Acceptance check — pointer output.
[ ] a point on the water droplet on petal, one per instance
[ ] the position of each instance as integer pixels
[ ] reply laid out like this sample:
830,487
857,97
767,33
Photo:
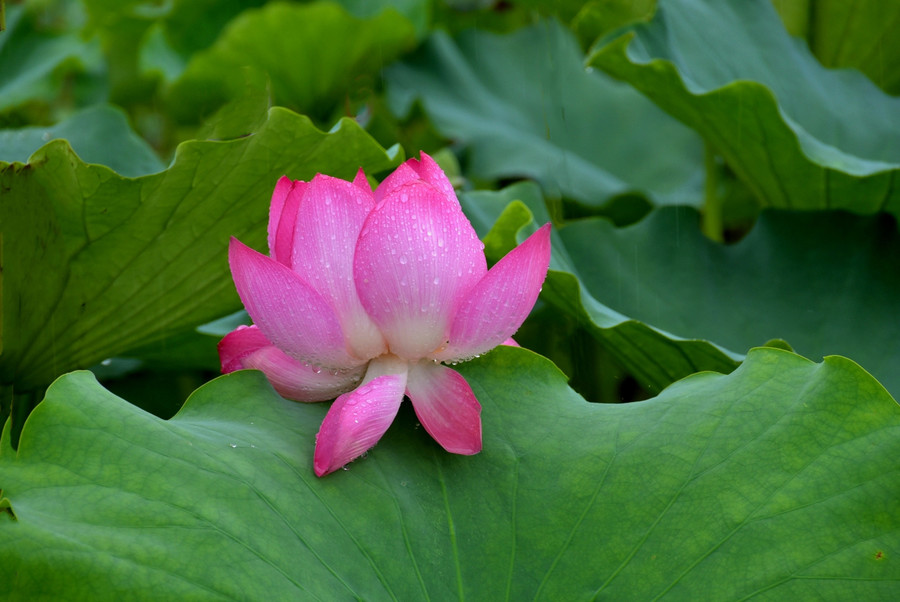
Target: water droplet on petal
403,260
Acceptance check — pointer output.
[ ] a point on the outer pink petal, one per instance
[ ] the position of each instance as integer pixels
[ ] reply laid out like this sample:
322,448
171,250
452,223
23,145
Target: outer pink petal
326,229
416,258
357,420
287,310
238,344
282,213
248,348
412,170
446,407
496,307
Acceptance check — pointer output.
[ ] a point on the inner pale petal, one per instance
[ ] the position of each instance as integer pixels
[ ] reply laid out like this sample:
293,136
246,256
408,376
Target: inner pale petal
327,226
416,257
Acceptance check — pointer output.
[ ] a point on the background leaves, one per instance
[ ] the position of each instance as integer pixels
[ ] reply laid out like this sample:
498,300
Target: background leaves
124,262
797,135
524,106
328,50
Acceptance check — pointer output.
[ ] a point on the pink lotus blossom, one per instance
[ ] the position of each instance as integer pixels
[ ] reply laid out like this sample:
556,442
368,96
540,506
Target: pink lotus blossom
365,296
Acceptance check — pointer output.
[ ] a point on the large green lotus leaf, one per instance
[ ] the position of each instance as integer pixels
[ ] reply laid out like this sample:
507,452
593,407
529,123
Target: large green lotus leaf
780,479
525,106
311,53
99,134
95,263
826,282
35,56
800,136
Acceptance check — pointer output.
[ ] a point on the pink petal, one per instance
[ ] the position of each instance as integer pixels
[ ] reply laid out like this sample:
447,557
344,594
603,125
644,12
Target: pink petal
496,307
247,348
357,420
239,343
413,170
416,258
282,214
292,315
361,182
326,229
510,342
446,407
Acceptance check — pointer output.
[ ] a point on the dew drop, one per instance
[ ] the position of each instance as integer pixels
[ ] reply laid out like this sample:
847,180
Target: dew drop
403,260
232,445
437,280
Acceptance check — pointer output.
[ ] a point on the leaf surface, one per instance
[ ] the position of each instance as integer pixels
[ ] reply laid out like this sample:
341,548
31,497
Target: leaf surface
779,479
99,134
859,34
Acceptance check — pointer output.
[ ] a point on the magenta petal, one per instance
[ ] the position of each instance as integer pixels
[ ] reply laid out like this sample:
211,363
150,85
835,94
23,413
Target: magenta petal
282,213
400,176
426,169
292,315
416,258
239,343
248,348
361,182
357,420
327,227
446,407
496,307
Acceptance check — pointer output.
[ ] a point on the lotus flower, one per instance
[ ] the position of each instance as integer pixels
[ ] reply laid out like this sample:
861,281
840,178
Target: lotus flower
365,296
